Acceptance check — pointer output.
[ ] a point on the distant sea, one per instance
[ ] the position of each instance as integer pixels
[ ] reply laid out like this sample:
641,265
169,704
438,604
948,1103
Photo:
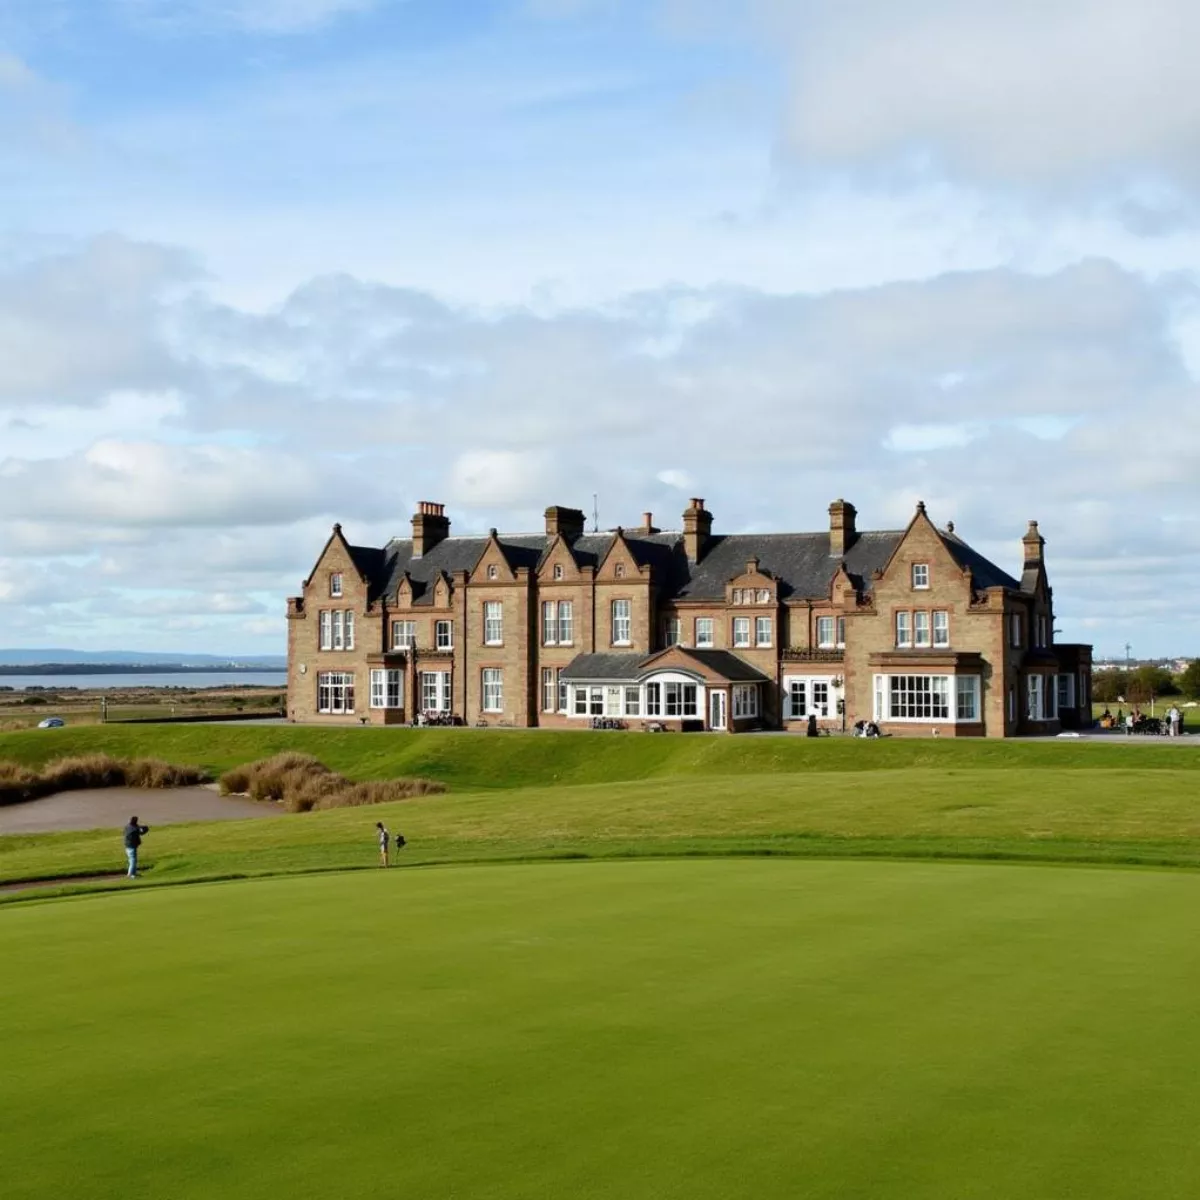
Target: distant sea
155,679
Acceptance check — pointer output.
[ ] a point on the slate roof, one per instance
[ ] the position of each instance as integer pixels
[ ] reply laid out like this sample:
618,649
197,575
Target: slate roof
800,562
604,667
726,664
613,668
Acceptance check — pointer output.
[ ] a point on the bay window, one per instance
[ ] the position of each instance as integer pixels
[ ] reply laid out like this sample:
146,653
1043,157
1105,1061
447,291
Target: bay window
929,698
654,699
387,688
679,699
335,692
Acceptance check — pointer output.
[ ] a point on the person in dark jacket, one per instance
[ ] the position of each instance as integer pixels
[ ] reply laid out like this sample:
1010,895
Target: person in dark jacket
133,839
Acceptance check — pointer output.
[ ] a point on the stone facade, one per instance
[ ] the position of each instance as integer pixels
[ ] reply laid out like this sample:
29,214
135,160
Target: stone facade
910,629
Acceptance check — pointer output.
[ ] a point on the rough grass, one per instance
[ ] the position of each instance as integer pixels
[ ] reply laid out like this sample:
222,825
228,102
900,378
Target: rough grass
303,783
19,783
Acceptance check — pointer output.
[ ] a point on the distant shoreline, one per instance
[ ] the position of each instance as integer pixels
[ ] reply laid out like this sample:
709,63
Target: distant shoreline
135,669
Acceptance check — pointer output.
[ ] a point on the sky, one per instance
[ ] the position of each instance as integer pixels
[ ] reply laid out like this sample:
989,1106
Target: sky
270,264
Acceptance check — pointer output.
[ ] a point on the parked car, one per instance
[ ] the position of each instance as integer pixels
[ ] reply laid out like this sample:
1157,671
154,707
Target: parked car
51,723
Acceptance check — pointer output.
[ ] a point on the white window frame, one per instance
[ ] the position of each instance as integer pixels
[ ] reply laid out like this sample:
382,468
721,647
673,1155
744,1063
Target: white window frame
741,633
549,623
917,690
922,634
622,622
903,628
941,628
841,633
335,692
339,633
443,635
492,689
435,685
653,704
566,623
682,698
387,687
549,690
404,635
633,701
326,621
1034,700
705,633
826,633
493,623
920,577
335,584
672,631
806,694
968,699
349,630
764,632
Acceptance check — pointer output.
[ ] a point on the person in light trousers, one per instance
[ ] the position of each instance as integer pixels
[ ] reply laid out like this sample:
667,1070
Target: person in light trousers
133,839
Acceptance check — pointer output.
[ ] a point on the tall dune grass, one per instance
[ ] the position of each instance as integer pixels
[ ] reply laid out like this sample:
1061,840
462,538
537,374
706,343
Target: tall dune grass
19,783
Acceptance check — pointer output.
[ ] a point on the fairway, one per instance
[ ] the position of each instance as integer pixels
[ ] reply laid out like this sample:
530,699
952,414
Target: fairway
625,1029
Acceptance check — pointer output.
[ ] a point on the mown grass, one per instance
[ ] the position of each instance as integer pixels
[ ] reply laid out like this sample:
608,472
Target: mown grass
618,1031
1120,815
479,758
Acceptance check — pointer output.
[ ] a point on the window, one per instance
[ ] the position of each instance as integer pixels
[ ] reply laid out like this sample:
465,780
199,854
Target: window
804,697
622,624
342,637
1014,629
493,571
1033,697
326,630
741,631
680,699
764,596
339,636
920,576
903,629
672,628
921,628
1012,705
435,691
704,631
596,701
825,632
841,633
581,702
919,697
335,692
1041,631
745,700
493,623
941,629
612,701
558,571
633,702
549,623
967,694
739,596
349,630
566,623
619,571
493,689
404,635
387,688
1066,691
654,699
549,690
335,584
762,631
444,635
562,693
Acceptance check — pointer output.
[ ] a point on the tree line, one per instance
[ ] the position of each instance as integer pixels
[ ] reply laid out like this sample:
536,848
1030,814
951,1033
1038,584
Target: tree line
1145,683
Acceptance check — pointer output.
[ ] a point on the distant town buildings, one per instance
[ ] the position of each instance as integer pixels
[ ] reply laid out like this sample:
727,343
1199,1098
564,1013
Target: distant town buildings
642,628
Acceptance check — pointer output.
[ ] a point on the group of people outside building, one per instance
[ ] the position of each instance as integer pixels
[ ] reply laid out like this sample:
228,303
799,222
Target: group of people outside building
1136,721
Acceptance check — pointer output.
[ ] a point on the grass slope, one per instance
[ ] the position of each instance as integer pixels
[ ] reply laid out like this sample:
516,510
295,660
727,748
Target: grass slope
666,1030
478,758
1115,815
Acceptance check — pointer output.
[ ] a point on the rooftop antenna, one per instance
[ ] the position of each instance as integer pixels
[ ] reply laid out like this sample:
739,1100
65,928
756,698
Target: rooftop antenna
595,513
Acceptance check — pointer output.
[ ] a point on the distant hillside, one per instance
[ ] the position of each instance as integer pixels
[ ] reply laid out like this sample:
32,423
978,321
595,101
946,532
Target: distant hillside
37,656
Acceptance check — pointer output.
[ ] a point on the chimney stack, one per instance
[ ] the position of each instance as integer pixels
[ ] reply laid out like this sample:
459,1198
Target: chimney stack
842,531
569,522
697,529
1033,543
648,526
429,526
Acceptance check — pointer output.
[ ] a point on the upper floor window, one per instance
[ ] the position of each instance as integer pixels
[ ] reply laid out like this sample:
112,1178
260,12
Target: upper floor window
741,631
622,622
841,633
1014,629
921,629
404,635
493,623
941,629
762,631
920,575
672,631
337,630
557,623
493,571
1041,631
444,635
904,629
738,596
619,571
704,632
826,628
558,571
764,596
335,583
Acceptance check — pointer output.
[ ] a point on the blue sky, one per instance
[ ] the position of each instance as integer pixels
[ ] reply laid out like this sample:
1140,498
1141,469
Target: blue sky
268,264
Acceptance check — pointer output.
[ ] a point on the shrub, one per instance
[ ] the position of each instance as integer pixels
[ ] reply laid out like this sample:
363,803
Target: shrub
19,783
303,783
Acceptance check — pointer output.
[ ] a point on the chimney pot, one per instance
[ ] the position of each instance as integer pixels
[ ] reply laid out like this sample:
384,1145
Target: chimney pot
429,526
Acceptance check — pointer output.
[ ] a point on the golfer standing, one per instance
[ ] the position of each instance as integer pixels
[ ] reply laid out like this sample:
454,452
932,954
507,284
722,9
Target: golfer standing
133,839
384,841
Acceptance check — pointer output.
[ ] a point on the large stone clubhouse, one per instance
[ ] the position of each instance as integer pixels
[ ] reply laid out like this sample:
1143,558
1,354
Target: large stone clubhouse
641,628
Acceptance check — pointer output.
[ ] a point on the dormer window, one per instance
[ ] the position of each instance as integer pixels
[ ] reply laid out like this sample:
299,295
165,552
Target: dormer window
920,576
558,571
619,570
493,572
764,596
335,584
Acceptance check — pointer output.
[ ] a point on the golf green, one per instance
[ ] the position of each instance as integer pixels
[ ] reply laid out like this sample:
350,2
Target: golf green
626,1029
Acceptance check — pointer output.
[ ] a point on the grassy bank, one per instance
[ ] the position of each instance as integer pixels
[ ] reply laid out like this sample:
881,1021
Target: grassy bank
479,758
1119,815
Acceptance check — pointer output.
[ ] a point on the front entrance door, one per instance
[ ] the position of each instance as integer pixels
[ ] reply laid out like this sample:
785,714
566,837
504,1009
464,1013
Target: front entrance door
716,710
